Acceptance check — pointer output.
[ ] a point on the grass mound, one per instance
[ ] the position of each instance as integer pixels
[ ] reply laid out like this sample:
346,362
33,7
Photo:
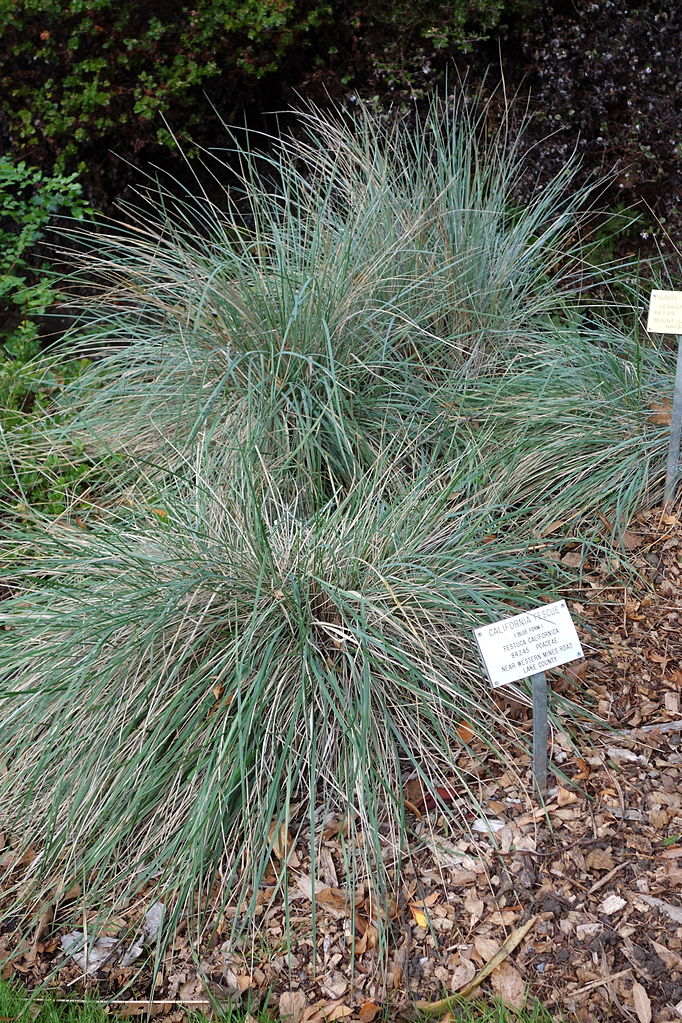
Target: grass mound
349,287
178,684
345,408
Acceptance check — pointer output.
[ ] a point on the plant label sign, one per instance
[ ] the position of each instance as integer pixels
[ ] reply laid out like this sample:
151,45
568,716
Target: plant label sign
665,312
525,644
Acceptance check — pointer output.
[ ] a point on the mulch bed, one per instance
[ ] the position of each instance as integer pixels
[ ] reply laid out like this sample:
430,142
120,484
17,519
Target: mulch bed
599,867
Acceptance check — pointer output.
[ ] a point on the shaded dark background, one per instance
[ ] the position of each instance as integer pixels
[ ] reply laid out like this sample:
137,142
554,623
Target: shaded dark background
87,84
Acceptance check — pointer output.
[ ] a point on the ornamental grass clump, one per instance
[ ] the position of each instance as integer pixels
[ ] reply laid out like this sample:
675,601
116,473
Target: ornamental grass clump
331,422
180,681
350,281
578,430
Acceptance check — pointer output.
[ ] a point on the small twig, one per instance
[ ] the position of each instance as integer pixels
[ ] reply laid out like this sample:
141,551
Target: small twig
134,1001
590,986
605,879
665,726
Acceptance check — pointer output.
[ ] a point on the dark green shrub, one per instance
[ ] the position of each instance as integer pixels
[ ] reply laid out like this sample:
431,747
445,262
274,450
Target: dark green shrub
412,32
81,77
405,46
29,200
77,72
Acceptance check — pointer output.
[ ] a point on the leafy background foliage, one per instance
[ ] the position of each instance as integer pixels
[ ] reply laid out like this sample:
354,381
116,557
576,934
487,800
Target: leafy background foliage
80,77
30,202
81,71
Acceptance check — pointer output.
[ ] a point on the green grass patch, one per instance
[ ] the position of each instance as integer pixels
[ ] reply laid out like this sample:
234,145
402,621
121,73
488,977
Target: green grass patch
35,475
17,1006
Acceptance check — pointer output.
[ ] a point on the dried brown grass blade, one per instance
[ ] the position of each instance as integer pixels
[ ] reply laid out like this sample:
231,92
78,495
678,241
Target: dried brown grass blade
443,1004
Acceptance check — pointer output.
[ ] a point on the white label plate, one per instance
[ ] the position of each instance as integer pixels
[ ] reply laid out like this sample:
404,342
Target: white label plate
525,644
665,312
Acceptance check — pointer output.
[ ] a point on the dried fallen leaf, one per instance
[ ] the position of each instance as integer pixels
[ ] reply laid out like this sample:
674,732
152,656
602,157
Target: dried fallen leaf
486,948
153,921
474,906
339,1012
631,541
370,932
600,859
368,1011
414,793
191,990
431,899
463,974
535,815
333,898
641,1002
464,731
487,826
93,957
661,412
313,1014
673,960
132,953
334,985
292,1006
282,844
327,1009
507,984
575,671
419,916
503,917
565,797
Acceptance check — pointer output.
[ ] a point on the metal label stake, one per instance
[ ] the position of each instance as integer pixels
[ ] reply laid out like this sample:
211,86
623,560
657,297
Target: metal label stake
673,462
540,731
665,317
